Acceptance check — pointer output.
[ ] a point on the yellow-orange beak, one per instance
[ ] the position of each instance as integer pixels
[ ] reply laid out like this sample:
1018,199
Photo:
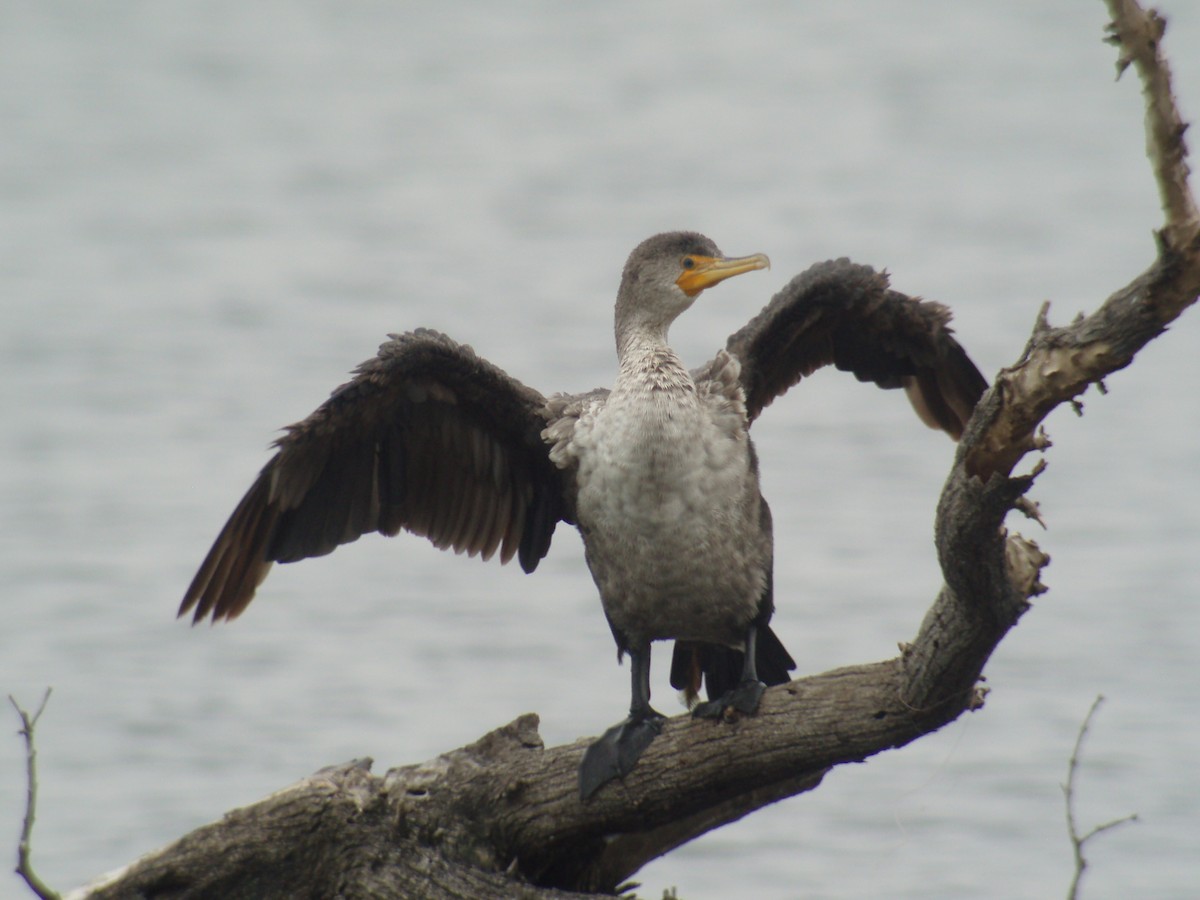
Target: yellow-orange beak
705,271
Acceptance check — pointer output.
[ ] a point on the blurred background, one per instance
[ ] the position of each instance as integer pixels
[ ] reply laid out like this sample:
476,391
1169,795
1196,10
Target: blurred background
210,212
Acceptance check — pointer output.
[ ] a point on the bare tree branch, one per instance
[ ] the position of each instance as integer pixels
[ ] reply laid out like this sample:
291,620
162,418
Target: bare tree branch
1059,363
1138,33
24,846
1077,840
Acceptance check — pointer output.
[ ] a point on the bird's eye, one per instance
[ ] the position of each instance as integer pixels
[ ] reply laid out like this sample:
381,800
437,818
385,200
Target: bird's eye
689,263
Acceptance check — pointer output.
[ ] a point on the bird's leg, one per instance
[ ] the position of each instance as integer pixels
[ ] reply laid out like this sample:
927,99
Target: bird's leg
615,753
744,698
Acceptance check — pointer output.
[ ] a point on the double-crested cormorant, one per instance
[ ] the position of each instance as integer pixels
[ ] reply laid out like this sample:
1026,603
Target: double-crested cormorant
658,473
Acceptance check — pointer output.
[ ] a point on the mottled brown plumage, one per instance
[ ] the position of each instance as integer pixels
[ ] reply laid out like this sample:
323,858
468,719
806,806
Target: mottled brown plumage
427,437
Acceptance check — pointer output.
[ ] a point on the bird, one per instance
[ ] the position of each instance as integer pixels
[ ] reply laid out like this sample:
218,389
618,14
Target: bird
657,472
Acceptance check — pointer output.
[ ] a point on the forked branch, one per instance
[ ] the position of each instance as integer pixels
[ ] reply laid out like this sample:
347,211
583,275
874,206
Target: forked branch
25,845
1079,840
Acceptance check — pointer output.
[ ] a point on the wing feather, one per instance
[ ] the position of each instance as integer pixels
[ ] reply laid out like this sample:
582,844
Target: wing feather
843,314
426,437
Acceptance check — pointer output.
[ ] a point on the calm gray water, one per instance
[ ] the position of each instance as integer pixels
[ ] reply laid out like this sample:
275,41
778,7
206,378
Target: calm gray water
209,212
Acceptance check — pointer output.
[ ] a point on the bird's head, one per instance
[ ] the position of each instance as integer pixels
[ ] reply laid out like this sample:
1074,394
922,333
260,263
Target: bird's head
666,273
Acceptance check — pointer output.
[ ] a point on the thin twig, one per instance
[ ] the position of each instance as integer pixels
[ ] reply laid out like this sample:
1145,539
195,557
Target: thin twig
1077,840
24,852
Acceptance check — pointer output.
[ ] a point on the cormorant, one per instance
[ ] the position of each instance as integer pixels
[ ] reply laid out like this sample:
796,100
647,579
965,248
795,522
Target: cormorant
658,473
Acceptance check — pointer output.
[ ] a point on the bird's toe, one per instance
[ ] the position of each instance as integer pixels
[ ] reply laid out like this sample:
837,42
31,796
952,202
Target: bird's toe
744,698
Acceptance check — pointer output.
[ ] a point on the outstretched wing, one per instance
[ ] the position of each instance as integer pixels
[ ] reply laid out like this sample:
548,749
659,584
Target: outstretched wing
428,437
844,314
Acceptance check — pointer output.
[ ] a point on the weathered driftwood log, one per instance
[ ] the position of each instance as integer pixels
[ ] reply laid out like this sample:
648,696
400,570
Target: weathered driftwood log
502,817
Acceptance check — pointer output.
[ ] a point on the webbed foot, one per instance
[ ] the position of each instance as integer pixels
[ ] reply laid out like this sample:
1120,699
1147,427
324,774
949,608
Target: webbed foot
744,698
614,754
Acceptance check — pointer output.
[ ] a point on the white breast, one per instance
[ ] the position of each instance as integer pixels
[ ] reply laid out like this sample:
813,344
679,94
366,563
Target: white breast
668,506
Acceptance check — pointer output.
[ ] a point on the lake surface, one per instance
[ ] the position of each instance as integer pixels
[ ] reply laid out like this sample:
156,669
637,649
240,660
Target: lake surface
209,212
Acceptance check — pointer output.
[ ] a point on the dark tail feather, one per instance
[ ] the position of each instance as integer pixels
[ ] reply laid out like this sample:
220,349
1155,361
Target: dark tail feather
775,664
720,667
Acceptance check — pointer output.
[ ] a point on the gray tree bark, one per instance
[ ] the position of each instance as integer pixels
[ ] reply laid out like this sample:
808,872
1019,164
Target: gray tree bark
502,817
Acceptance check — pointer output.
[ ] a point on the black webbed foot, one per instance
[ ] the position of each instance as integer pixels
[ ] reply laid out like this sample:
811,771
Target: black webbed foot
744,698
614,754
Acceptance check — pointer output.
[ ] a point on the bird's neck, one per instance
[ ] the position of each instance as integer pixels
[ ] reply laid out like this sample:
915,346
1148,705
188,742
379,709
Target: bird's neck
639,340
645,358
640,332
